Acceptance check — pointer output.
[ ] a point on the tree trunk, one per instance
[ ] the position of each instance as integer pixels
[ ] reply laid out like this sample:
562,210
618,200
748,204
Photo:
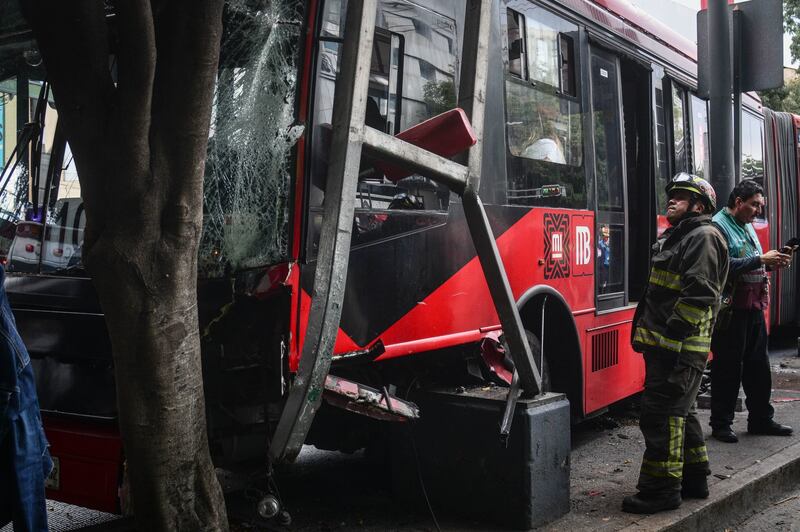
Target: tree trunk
139,143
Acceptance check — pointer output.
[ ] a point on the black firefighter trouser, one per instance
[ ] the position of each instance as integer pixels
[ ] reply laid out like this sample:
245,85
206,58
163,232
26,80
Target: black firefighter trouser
675,450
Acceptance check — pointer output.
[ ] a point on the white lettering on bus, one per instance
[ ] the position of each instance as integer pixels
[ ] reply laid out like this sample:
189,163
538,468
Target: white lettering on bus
558,245
583,245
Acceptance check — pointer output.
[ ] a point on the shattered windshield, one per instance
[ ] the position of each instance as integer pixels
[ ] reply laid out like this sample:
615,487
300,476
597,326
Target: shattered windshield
250,153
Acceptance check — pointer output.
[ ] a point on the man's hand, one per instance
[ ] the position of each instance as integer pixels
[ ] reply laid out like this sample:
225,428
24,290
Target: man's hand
775,259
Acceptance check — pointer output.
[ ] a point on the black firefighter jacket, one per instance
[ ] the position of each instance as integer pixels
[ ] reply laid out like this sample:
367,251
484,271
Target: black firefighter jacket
677,312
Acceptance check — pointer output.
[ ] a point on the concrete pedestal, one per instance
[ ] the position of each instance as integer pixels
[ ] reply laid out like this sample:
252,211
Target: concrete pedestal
468,471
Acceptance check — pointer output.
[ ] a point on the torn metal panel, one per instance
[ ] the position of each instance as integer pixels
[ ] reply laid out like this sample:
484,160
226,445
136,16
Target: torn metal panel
362,399
495,357
252,137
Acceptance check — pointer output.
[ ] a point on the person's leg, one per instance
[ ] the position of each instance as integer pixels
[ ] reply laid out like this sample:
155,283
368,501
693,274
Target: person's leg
695,459
660,474
29,508
660,430
726,370
756,373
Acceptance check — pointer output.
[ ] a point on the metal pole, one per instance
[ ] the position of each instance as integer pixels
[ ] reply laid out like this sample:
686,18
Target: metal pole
720,82
737,96
23,115
502,296
349,108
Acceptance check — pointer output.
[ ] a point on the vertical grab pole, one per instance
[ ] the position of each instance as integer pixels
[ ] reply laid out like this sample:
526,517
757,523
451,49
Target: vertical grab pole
472,98
337,224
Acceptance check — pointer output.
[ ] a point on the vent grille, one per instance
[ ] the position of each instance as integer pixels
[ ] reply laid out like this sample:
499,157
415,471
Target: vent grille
605,350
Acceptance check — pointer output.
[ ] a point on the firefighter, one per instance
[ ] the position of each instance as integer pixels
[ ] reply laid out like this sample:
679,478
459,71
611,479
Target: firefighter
24,456
672,328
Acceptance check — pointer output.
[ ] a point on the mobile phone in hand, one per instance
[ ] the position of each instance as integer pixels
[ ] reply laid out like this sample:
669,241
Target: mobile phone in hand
790,246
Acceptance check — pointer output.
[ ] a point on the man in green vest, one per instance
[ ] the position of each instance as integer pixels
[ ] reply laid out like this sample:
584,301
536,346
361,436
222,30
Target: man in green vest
672,328
740,340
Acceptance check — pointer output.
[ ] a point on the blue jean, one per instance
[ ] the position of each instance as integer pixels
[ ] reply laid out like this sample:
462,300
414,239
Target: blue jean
24,467
24,457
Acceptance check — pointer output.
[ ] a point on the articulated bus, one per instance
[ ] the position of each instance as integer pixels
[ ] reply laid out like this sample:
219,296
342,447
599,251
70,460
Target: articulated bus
591,107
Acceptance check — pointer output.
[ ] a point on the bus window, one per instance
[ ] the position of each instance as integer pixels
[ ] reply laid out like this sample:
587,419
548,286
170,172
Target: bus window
545,36
609,177
544,120
662,149
752,148
699,136
252,135
412,78
517,63
681,162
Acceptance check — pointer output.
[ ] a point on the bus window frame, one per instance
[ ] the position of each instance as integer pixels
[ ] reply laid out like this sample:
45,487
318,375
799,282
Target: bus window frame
669,86
611,301
692,97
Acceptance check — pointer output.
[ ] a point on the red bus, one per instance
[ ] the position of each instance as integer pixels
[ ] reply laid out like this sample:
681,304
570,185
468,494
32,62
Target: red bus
590,108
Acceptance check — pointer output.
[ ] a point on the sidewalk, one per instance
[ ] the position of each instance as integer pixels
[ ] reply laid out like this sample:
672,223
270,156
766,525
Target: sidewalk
744,474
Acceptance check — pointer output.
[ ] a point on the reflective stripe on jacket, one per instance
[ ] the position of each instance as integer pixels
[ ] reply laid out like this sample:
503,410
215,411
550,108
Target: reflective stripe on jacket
688,270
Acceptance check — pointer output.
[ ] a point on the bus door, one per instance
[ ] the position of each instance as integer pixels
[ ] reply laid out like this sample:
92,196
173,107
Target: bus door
610,181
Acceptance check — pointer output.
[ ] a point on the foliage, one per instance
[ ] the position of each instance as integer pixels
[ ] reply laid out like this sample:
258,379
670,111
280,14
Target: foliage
791,25
439,96
785,98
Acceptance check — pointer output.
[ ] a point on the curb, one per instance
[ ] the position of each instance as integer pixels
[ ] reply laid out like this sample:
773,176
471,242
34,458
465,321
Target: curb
734,499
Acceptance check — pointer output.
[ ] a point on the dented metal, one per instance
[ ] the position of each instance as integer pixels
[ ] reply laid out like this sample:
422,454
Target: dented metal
362,399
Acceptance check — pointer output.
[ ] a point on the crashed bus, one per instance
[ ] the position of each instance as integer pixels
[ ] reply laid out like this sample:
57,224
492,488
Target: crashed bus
590,108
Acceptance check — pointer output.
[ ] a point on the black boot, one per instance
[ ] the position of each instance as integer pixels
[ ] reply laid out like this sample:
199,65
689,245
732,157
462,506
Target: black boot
725,434
769,428
642,503
694,488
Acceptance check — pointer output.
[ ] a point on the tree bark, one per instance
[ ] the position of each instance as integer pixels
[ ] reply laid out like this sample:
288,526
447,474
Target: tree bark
139,143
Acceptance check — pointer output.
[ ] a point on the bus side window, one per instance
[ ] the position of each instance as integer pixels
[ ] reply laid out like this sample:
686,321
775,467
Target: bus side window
679,141
753,152
752,148
544,115
700,136
663,174
517,62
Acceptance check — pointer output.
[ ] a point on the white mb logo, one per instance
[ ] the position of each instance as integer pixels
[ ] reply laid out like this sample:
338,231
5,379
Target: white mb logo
557,240
583,245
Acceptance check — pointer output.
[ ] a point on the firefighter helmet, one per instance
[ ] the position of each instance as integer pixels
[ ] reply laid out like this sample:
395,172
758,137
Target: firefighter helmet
697,185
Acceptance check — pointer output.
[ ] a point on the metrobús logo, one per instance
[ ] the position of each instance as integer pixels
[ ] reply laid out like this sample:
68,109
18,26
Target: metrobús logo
556,245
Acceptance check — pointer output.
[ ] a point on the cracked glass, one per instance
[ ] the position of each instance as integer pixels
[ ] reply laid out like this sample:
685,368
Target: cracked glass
250,163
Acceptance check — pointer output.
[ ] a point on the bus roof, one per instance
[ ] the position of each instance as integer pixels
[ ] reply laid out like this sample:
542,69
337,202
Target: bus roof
652,26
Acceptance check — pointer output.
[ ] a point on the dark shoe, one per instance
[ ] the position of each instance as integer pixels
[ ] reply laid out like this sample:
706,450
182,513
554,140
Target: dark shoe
769,428
725,434
694,490
649,504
